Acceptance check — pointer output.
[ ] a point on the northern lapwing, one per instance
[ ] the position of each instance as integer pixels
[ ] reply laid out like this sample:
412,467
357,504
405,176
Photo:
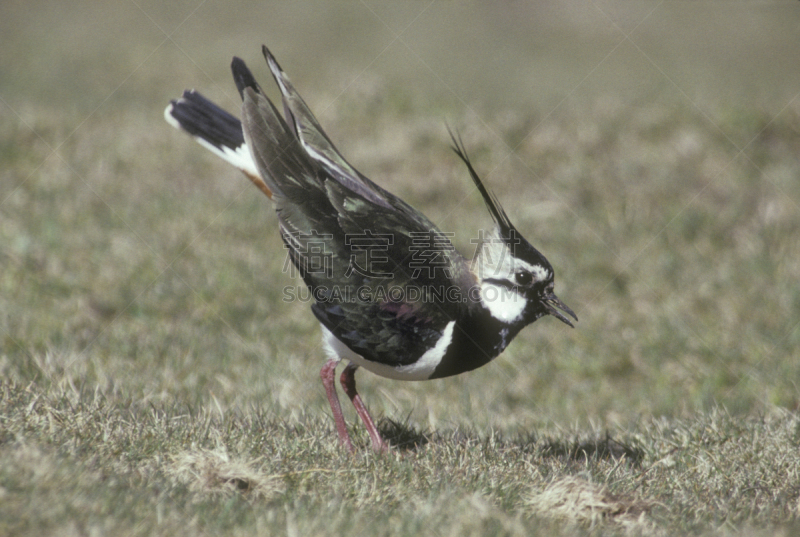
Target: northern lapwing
391,292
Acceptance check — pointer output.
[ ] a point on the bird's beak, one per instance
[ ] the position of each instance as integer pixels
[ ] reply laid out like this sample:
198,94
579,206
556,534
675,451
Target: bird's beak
551,302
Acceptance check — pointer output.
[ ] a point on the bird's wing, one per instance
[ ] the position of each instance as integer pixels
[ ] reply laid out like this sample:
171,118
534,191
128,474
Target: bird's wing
316,142
379,270
385,279
397,281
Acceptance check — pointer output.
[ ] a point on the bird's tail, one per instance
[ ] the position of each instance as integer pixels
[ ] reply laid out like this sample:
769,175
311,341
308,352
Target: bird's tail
216,130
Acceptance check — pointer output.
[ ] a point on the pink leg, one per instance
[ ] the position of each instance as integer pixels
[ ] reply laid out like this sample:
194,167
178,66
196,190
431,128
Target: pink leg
348,380
327,374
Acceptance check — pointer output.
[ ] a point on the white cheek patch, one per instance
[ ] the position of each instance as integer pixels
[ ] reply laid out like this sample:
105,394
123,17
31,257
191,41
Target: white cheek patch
504,304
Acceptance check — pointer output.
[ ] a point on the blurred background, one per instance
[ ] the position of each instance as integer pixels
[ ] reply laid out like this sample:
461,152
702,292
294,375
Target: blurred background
495,56
649,149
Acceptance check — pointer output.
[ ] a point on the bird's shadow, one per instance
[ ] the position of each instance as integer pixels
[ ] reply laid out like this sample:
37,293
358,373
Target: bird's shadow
403,437
598,448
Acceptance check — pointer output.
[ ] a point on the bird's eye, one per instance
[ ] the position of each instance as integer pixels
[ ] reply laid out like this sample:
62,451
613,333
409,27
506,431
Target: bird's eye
523,277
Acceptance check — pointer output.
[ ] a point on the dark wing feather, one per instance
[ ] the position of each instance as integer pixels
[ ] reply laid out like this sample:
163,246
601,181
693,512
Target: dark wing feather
355,244
401,305
316,143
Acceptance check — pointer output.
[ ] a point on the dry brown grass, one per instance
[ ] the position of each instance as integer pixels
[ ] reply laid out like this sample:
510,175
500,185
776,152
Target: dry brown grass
575,500
215,472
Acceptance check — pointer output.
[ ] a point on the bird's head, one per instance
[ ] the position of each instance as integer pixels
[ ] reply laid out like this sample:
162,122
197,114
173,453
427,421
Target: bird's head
517,281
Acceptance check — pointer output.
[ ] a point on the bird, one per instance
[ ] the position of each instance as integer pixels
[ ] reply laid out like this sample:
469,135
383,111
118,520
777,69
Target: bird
390,291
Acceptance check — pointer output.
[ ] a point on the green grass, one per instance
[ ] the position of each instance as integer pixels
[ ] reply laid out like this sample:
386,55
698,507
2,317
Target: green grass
153,382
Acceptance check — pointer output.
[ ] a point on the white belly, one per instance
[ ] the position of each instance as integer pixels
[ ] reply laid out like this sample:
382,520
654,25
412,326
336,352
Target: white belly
422,369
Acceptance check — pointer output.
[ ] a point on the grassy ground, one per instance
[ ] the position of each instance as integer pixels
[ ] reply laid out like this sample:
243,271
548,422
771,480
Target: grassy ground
153,381
79,462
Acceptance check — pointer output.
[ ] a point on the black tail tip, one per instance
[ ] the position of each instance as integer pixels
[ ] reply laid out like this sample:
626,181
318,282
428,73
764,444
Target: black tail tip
243,77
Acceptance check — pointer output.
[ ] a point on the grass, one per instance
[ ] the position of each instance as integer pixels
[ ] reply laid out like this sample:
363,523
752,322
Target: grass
154,382
113,466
